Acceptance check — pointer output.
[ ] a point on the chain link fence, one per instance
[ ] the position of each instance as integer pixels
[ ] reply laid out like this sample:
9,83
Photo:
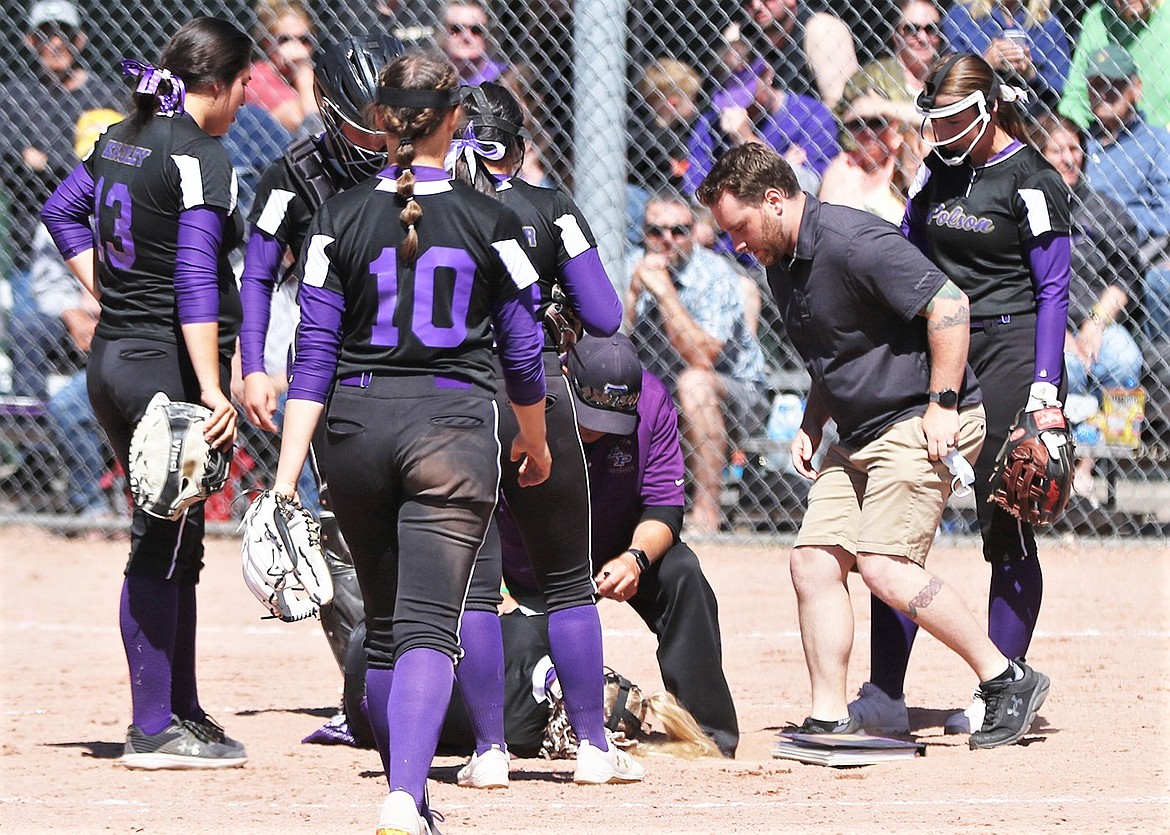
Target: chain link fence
628,104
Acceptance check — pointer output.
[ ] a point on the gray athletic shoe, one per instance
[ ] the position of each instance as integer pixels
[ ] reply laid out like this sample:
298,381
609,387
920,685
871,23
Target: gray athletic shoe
175,747
208,730
1011,708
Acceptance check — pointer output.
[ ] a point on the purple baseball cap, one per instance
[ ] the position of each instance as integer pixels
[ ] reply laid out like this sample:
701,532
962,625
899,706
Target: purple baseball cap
739,90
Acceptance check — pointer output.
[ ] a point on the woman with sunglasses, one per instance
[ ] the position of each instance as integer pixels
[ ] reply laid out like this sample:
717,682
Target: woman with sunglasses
160,193
312,170
282,81
995,216
406,280
573,291
1024,42
465,41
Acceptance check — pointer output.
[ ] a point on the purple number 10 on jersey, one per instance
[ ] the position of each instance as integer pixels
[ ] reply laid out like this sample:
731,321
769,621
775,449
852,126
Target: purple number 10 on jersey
436,262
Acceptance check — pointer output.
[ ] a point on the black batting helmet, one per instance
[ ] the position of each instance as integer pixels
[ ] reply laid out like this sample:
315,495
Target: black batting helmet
346,84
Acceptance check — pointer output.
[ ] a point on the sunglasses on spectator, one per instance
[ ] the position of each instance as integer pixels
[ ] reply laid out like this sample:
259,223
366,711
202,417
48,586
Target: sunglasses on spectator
47,31
475,29
612,398
1107,90
874,124
306,39
679,230
909,30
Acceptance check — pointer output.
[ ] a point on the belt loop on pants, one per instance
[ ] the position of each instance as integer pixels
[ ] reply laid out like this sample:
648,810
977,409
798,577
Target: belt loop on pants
991,325
358,380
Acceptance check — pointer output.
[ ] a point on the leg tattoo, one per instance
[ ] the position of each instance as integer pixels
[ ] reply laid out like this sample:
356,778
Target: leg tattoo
924,598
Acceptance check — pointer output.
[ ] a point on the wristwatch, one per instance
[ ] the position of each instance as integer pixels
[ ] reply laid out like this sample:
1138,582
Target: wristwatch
947,398
640,558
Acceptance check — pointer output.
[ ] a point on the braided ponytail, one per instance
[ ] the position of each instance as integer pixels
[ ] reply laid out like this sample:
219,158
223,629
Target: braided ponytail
401,111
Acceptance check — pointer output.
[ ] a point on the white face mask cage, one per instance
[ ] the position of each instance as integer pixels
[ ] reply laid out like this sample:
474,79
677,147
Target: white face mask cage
982,120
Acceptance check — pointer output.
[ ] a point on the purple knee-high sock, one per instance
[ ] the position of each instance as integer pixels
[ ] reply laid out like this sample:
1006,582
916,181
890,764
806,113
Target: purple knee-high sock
184,690
415,714
481,677
1014,605
378,684
147,617
891,639
574,636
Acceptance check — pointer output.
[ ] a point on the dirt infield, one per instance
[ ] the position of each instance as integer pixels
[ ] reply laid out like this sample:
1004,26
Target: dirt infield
1096,763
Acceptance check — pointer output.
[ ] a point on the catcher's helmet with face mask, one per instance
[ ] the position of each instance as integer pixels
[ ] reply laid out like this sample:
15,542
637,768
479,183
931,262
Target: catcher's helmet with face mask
346,84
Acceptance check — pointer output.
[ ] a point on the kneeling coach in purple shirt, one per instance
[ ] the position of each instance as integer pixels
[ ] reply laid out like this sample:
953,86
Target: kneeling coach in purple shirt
629,428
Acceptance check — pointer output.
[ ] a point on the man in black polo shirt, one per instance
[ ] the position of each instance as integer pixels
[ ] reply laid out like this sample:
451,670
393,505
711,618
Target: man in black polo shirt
884,336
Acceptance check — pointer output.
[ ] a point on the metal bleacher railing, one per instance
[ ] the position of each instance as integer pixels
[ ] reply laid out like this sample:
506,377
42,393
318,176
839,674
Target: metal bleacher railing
591,75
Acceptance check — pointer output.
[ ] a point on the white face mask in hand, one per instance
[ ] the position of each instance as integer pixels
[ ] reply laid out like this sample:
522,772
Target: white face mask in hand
964,475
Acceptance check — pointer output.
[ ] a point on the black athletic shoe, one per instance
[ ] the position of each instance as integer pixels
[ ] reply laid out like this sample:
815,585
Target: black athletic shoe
208,730
851,725
176,746
1011,708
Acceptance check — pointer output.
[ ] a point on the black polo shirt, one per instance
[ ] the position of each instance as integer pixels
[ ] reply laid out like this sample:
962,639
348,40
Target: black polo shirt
850,299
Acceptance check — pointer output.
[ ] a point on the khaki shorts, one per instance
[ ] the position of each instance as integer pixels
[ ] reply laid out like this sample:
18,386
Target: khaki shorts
888,496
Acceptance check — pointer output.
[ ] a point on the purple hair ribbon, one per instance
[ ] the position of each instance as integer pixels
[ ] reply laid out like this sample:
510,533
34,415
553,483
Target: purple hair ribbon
149,77
470,148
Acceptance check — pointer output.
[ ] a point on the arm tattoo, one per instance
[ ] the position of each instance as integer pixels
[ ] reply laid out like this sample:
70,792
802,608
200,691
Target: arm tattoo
961,318
924,598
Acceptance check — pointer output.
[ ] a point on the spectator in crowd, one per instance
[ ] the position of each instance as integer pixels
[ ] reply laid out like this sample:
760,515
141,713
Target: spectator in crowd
465,39
413,22
79,440
749,108
282,81
1024,42
635,461
1129,160
39,109
523,82
685,308
864,175
888,86
1142,27
1100,352
811,53
659,134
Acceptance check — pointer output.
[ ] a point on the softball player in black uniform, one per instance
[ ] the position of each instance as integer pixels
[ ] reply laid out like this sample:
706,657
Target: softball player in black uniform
162,196
404,280
553,518
995,216
312,170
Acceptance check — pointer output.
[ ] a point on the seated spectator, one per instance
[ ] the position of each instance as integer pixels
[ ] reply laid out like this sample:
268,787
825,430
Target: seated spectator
748,108
811,53
659,133
40,104
889,86
521,80
1129,160
465,40
1025,43
1099,352
282,82
1142,27
686,311
863,176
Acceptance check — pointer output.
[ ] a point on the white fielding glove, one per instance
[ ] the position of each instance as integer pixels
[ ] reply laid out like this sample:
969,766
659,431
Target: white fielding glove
1042,396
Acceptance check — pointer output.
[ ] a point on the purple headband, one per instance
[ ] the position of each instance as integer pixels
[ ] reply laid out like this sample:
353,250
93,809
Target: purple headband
169,103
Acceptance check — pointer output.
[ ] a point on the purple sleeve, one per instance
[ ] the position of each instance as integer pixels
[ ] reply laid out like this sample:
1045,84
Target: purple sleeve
196,270
1049,257
914,226
318,344
700,153
590,292
658,439
261,266
519,342
67,213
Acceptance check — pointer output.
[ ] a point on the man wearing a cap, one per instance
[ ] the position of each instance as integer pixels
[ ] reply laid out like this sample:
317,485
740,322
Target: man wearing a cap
630,430
1128,158
1142,28
39,110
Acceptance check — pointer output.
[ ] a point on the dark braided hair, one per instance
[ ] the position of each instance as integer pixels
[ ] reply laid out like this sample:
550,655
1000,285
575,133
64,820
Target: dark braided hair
413,71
